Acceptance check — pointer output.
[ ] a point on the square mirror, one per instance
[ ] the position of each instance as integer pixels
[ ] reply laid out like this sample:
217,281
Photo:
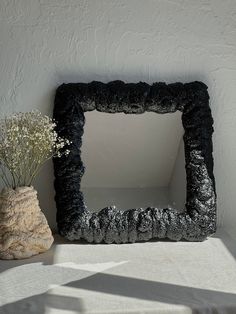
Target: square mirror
135,187
133,161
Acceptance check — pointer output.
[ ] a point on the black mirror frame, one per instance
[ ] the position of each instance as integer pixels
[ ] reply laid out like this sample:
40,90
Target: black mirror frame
197,220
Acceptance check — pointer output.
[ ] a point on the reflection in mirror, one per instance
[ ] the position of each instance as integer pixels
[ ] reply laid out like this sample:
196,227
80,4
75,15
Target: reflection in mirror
133,161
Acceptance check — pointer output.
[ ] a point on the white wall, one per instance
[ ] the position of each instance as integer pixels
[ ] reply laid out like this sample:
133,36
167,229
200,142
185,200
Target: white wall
44,43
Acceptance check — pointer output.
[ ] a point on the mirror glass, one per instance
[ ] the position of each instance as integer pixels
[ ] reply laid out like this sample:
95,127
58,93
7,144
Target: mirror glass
133,160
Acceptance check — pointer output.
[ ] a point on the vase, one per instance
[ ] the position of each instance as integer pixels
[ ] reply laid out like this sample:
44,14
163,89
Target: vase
24,230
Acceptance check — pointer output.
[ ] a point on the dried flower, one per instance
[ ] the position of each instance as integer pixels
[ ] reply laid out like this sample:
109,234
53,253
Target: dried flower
27,141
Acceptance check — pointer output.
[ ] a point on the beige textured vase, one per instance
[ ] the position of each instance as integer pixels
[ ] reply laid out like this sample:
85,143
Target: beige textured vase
24,230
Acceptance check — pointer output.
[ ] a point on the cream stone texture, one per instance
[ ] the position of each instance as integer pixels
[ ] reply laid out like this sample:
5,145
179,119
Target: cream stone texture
24,230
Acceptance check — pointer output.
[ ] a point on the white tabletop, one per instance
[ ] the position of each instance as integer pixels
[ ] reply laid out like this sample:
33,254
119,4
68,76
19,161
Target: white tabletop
153,277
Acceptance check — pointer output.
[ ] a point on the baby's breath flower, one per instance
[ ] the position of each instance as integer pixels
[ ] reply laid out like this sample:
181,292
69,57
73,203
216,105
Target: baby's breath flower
27,140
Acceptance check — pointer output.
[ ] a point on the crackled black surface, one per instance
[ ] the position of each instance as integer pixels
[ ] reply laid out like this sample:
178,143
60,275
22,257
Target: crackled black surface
198,218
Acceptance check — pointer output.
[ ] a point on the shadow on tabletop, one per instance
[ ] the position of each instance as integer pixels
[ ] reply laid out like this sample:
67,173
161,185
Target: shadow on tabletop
195,299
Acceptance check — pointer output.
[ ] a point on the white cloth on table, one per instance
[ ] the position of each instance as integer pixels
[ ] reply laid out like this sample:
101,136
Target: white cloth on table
154,277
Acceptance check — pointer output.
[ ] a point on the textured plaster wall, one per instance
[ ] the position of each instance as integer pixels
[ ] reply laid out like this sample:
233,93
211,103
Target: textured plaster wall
47,42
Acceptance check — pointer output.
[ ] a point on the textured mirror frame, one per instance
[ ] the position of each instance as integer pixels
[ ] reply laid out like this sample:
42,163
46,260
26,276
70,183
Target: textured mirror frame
110,225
